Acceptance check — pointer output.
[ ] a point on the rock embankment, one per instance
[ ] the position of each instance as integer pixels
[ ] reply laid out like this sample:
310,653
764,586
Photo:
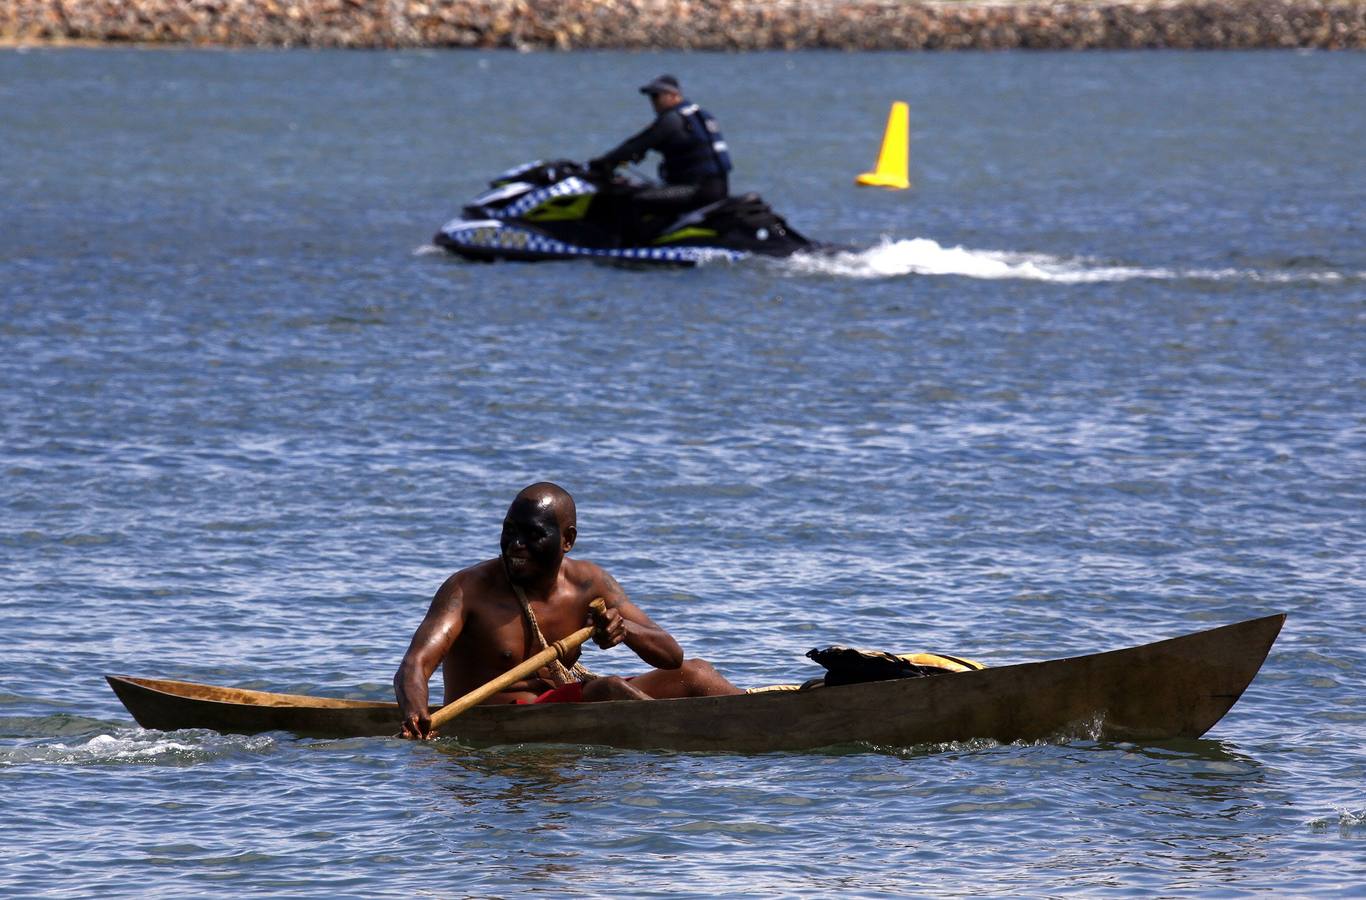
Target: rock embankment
695,24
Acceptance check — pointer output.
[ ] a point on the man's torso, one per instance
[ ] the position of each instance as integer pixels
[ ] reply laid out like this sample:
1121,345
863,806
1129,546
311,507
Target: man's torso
495,636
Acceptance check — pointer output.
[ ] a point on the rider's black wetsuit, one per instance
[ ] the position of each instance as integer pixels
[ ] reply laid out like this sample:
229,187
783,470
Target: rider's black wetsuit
695,160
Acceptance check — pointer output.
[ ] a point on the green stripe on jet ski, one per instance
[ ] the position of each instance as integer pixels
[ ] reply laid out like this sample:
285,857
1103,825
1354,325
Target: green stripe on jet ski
683,234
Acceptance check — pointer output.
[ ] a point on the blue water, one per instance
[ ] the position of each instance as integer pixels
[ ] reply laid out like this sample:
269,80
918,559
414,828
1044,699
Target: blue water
1098,379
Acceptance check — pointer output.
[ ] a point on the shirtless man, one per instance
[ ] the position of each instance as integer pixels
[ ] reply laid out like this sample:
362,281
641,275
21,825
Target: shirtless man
475,628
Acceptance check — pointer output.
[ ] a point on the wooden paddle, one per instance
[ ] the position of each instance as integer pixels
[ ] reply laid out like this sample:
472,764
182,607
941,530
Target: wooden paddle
557,650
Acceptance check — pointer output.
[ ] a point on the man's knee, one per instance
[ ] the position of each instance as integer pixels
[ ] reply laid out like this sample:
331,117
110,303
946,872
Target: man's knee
698,668
701,679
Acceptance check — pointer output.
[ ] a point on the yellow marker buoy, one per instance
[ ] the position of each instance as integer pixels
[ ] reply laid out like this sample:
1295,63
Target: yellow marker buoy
893,160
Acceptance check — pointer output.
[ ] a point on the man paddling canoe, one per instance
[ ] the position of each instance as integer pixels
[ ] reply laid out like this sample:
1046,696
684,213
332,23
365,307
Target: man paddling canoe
488,618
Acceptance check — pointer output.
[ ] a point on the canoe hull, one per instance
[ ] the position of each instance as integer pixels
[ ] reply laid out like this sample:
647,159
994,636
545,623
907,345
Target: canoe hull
1177,688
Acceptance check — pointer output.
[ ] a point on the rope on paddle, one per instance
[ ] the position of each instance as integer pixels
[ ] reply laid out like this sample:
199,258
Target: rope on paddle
559,673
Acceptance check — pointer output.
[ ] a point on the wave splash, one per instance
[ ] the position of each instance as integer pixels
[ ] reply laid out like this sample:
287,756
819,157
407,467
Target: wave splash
922,256
135,746
1347,821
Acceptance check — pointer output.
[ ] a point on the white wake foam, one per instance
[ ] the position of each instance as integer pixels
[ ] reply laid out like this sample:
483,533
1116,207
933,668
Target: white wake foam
922,256
135,746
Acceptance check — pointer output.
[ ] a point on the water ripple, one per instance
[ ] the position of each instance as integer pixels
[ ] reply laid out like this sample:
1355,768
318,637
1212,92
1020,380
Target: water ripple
1099,384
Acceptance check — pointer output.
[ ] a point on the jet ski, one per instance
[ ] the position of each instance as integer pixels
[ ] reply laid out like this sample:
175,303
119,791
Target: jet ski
562,209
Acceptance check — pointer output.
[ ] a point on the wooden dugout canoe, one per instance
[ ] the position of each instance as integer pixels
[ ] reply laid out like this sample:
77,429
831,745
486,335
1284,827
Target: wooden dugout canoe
1174,688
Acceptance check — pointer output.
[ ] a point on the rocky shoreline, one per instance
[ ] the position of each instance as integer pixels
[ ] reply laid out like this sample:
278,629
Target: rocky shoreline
693,24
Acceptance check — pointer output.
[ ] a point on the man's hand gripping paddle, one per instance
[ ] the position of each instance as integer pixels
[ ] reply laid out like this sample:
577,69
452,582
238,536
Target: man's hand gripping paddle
556,651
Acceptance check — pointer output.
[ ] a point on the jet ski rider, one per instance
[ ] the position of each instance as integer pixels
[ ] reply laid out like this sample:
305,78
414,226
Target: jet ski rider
695,156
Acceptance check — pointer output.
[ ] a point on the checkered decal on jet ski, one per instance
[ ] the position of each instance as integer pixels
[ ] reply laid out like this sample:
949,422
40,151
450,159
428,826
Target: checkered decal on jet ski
572,186
494,235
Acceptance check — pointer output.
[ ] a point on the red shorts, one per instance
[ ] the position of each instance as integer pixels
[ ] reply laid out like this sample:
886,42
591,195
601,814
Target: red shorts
565,693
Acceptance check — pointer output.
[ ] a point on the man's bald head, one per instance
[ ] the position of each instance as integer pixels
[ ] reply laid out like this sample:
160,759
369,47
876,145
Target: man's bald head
538,530
545,495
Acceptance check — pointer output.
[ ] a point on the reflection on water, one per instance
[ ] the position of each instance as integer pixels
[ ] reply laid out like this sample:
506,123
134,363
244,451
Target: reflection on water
514,776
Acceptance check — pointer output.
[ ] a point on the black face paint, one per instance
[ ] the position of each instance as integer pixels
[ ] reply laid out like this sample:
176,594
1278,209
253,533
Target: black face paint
531,539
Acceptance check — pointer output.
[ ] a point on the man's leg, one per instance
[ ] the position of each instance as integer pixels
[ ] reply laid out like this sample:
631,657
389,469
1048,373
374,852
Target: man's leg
696,678
612,687
663,205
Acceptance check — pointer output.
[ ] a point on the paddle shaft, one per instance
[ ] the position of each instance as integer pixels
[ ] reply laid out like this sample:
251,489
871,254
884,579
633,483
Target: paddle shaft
557,650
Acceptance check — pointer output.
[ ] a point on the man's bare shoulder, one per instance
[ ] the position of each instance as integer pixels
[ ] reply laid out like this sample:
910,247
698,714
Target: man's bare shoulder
473,582
586,575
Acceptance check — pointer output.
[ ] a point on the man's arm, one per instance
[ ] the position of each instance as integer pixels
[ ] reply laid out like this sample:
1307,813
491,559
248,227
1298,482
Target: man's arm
626,624
634,148
430,643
